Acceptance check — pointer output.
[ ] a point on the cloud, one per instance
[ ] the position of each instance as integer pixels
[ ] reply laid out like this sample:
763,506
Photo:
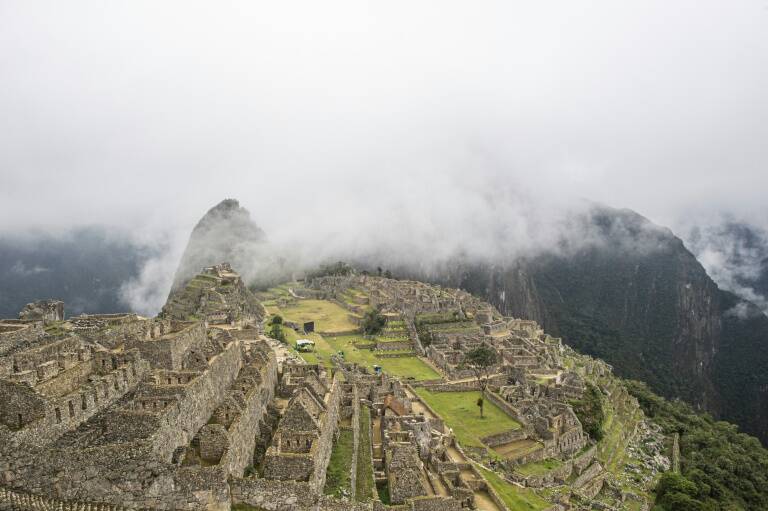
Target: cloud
20,269
420,128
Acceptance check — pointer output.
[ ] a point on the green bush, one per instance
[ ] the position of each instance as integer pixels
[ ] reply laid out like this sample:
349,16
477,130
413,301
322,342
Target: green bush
373,322
720,467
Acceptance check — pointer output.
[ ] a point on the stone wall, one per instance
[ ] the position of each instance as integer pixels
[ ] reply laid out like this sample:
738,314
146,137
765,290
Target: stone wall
168,351
66,412
273,495
17,335
355,424
329,427
243,431
504,437
198,402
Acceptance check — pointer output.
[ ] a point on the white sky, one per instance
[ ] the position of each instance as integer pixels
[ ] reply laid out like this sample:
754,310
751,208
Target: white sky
332,115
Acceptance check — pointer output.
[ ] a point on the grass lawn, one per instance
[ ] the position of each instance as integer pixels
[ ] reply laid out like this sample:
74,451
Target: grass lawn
339,475
326,346
459,411
403,367
364,490
539,468
328,316
516,498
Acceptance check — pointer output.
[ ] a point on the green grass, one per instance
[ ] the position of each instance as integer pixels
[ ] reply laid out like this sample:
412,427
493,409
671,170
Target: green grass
539,468
328,316
460,411
364,489
516,498
339,476
325,346
404,367
245,507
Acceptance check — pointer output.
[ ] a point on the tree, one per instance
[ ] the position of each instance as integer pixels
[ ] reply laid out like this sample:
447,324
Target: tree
481,361
373,321
276,329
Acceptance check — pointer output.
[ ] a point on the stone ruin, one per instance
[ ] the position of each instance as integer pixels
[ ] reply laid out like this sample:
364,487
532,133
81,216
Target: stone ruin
196,409
133,412
47,311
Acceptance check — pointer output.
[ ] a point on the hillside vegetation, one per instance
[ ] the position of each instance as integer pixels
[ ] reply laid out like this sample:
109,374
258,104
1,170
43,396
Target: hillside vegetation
720,468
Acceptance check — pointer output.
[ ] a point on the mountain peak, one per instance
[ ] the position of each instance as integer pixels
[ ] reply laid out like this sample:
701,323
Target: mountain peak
225,233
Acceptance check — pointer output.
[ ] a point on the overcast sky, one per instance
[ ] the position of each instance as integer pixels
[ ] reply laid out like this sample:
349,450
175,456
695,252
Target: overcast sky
323,114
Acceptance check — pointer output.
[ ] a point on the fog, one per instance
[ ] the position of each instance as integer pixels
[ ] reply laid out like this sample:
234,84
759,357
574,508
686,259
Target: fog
415,128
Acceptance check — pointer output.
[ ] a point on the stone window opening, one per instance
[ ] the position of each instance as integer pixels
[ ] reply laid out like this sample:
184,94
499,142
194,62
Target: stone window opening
103,363
169,381
84,403
117,384
71,409
58,415
21,420
114,363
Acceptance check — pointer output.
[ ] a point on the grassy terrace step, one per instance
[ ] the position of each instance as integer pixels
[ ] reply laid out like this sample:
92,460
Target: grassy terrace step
539,468
515,498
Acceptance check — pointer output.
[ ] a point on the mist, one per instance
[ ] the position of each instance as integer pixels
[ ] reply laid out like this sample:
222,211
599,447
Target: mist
413,131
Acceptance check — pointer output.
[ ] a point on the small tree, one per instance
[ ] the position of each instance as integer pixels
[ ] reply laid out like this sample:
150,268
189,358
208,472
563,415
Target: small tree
276,329
373,322
481,360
